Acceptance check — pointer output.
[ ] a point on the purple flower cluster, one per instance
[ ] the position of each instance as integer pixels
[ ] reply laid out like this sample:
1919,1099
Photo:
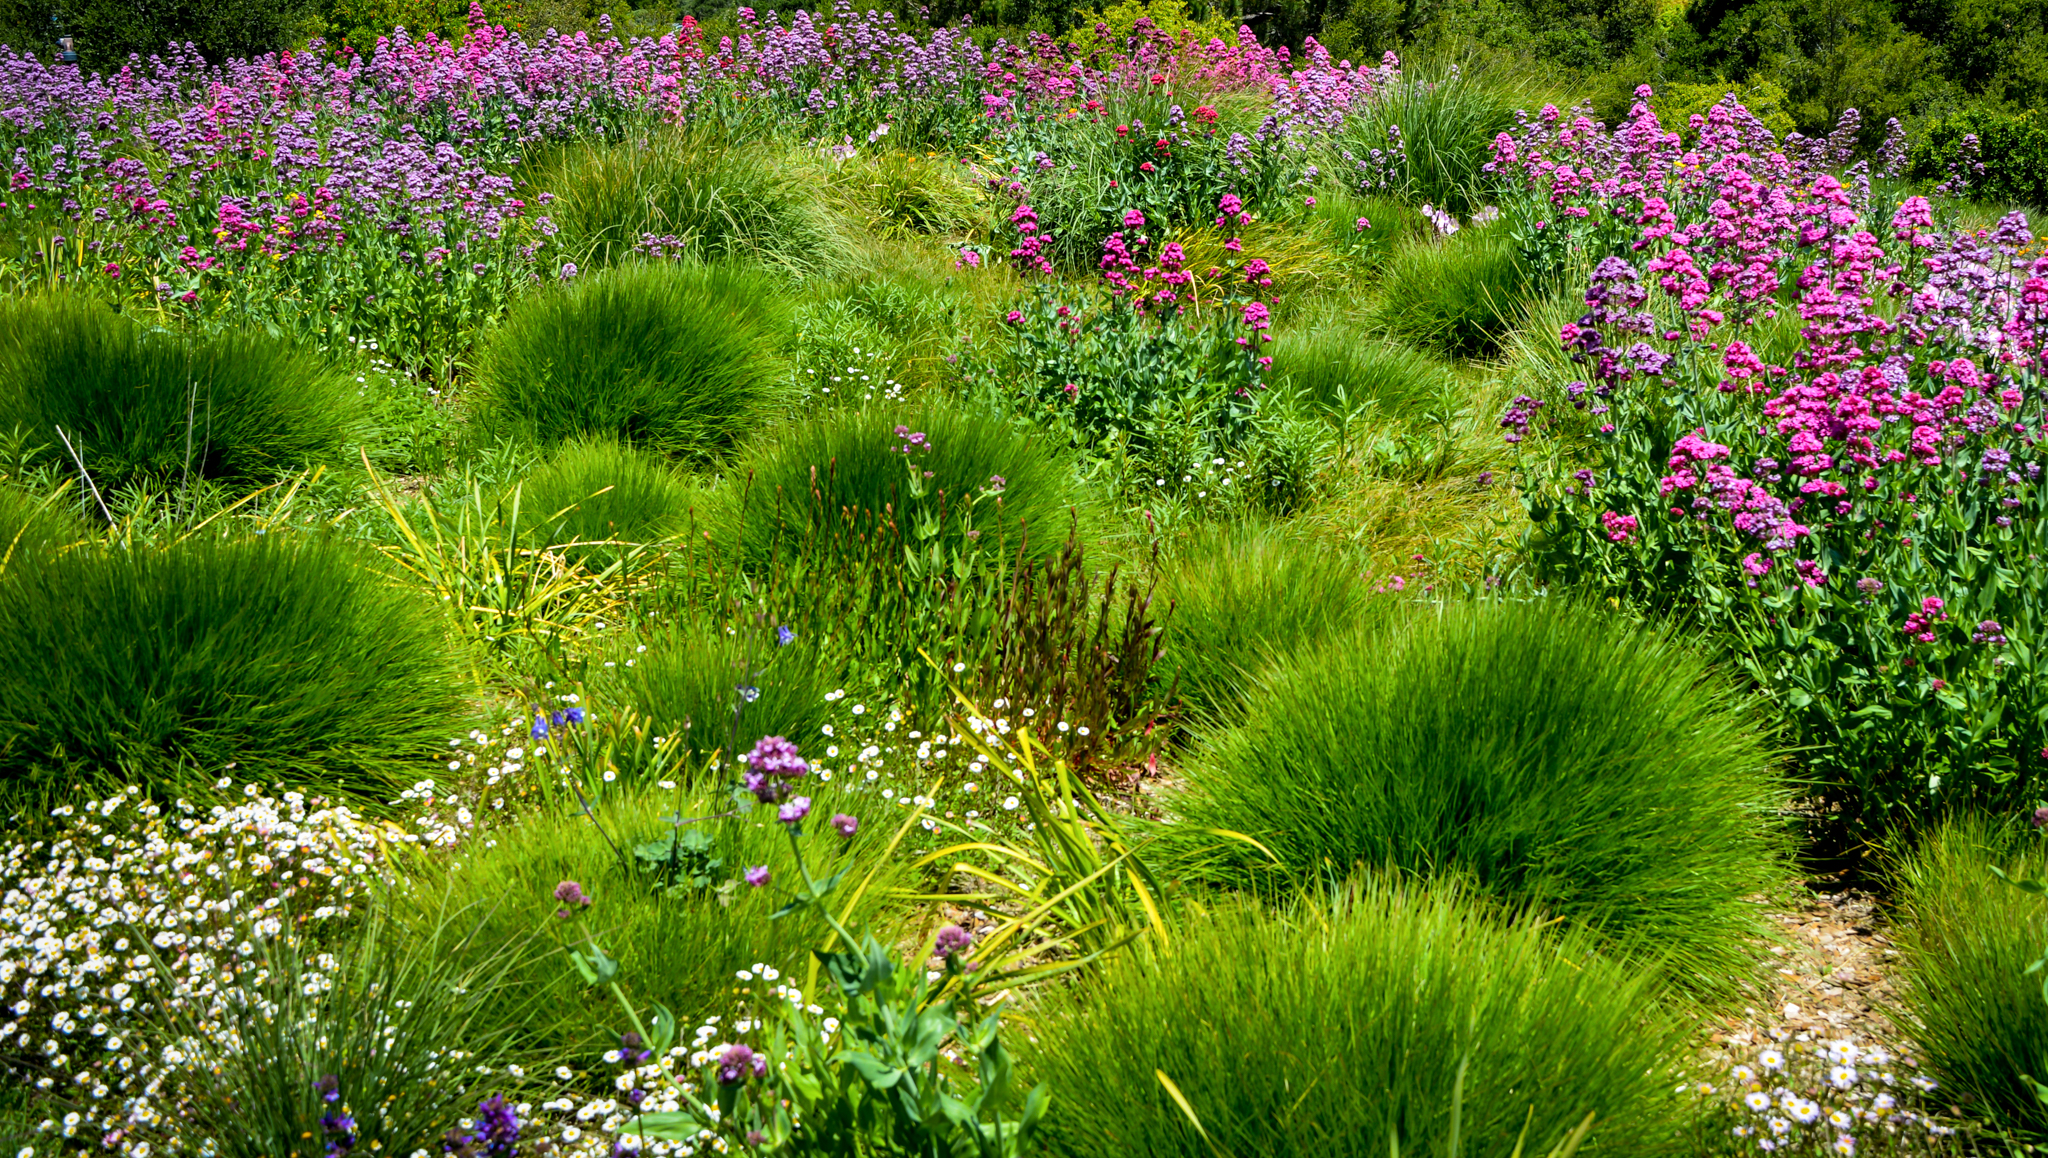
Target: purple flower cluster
772,766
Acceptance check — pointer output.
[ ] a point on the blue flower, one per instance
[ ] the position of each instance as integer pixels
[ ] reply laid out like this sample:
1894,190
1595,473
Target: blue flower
540,726
784,636
574,715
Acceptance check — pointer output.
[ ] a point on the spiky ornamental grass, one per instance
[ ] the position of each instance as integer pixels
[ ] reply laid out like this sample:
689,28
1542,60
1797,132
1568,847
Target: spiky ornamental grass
676,359
595,499
705,684
1381,1019
830,486
1563,759
1968,940
286,655
680,920
145,405
1334,370
699,197
1242,595
1458,296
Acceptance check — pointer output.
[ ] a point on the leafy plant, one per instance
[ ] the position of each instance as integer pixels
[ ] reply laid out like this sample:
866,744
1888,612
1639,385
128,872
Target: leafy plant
291,654
1566,761
1383,1018
131,403
678,360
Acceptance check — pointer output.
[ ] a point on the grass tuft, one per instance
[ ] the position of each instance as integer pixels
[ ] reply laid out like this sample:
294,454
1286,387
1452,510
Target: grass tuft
1390,1019
1563,759
600,497
1979,1017
140,405
1460,297
679,360
286,655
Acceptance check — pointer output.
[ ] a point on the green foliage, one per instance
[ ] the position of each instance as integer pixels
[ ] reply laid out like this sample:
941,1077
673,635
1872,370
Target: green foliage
2012,149
139,404
825,486
1826,56
1573,763
698,197
1169,16
1677,103
107,31
1387,1019
678,942
605,496
1447,116
287,655
679,360
909,192
415,1024
1244,594
1334,370
32,528
704,686
1388,220
1458,296
1974,1007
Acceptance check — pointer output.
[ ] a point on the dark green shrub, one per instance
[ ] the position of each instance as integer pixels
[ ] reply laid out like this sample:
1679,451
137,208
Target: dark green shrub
679,936
677,360
706,686
1332,369
1243,594
286,655
1347,1029
603,496
1564,759
2013,149
704,199
143,405
1968,937
1459,296
829,486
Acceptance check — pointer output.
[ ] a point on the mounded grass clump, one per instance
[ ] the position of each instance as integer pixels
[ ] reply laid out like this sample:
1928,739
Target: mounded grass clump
595,498
1561,758
1978,1015
705,199
678,360
33,528
1460,297
705,686
1243,594
287,655
679,946
1332,369
1340,1028
146,405
840,484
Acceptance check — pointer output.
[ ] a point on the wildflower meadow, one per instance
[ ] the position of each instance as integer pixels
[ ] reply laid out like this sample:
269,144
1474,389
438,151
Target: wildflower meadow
942,583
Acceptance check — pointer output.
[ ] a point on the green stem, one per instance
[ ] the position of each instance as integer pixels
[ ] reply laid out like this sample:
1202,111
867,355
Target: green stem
811,890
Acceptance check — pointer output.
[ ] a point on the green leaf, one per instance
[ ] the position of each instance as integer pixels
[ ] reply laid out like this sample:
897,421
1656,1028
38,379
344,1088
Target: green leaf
671,1127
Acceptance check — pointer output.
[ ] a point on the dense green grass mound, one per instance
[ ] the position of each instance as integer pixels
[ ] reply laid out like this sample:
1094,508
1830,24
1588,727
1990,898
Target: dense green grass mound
1561,758
143,405
704,688
1335,371
702,198
842,485
1458,297
596,499
1976,1012
1340,1029
33,527
678,360
285,655
1243,594
679,936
